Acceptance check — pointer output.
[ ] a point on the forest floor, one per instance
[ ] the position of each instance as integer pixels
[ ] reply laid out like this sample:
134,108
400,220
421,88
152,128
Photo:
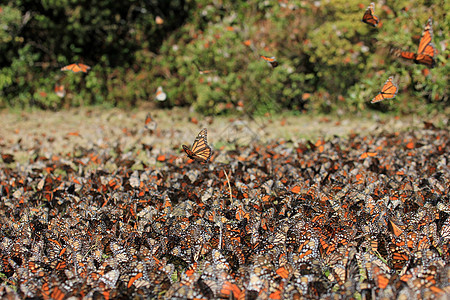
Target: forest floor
94,202
61,132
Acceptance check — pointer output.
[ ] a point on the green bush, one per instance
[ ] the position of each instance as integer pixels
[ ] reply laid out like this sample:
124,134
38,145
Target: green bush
329,60
324,51
39,37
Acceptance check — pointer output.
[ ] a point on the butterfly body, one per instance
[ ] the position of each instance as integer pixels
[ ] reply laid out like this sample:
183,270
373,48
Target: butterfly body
369,17
426,52
388,91
200,149
76,68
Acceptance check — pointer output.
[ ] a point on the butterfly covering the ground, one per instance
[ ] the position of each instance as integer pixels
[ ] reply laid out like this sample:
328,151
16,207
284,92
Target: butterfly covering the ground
271,60
200,149
426,52
388,91
369,16
76,68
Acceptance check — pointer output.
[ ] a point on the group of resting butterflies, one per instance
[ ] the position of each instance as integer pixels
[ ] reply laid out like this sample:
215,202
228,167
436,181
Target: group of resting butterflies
200,149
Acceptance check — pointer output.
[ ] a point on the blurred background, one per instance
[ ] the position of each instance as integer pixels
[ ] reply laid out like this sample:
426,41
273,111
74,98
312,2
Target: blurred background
205,55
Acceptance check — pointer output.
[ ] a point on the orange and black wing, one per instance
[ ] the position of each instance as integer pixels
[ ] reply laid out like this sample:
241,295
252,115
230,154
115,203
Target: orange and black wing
76,68
369,17
388,91
427,51
270,60
404,54
200,149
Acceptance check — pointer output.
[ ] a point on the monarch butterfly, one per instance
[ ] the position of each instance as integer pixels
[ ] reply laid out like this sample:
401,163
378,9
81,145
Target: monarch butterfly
159,20
272,61
388,91
369,17
60,91
160,95
200,149
399,256
381,279
76,68
150,124
426,52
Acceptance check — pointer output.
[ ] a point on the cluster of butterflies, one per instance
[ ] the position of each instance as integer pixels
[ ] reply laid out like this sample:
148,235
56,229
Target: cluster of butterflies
425,53
313,221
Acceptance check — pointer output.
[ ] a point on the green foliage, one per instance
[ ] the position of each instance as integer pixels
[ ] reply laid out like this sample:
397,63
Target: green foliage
37,38
329,60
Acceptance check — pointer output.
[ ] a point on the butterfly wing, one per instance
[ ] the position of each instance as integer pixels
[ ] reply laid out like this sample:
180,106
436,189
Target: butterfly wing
270,60
388,91
407,55
148,119
68,67
427,36
369,17
200,147
160,95
188,151
426,51
76,68
83,68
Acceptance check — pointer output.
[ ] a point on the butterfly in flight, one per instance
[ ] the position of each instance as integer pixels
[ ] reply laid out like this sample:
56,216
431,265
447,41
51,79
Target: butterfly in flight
272,61
426,52
388,91
160,95
200,149
60,90
76,68
369,17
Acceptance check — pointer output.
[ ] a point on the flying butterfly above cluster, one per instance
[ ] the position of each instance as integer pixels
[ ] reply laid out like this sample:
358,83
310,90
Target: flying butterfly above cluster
271,60
426,51
369,16
76,68
160,95
388,91
425,54
200,149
